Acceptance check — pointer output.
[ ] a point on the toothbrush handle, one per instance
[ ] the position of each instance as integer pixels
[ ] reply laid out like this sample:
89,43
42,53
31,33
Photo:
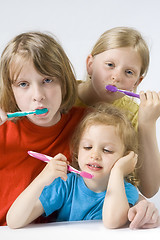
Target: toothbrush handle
71,169
46,158
40,156
18,114
131,94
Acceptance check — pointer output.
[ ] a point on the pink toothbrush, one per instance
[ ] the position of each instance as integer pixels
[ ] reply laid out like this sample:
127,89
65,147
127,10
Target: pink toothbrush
46,158
112,88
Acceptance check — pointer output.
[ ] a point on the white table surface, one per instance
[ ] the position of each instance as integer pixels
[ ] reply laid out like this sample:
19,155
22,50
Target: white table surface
84,230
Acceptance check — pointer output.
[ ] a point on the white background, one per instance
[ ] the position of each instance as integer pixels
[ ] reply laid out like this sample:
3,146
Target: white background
78,24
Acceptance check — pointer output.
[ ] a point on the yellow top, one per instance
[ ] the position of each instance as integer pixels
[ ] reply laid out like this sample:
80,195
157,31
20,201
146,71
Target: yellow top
126,104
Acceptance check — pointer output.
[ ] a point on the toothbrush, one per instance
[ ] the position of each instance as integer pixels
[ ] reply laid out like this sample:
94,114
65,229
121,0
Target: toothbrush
21,114
112,88
46,158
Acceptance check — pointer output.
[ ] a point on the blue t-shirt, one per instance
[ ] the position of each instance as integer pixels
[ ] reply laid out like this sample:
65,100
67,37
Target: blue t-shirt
75,201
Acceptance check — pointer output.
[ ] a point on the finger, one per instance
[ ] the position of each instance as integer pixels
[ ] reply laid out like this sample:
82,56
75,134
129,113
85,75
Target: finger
147,217
156,98
143,96
149,95
60,162
131,214
61,166
150,218
152,225
3,118
64,177
155,216
138,216
60,156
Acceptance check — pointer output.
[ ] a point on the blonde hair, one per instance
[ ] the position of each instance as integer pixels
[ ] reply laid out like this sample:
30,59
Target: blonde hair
123,37
48,58
107,114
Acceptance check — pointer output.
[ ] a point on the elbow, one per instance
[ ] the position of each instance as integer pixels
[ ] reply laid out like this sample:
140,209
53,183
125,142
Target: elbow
114,223
11,222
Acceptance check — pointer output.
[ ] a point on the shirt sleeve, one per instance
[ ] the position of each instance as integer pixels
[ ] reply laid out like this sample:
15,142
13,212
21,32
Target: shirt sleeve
53,196
131,193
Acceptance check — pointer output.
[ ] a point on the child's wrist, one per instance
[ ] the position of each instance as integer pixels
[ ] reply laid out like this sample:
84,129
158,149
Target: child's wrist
116,171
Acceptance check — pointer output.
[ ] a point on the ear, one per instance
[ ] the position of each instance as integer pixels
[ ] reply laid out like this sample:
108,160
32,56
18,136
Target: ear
139,81
89,62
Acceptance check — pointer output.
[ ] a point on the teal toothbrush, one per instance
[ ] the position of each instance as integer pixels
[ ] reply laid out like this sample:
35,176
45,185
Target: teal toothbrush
21,114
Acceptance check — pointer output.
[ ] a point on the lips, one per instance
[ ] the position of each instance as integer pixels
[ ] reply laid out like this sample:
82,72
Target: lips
41,115
94,166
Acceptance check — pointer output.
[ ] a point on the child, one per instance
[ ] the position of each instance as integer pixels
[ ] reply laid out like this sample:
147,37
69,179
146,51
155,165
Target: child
121,58
105,145
35,73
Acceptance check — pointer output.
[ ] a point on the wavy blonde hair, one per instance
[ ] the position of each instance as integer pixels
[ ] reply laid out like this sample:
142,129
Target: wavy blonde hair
48,58
107,114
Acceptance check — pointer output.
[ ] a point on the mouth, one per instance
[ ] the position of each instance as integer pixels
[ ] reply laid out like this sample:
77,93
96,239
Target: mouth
41,115
94,167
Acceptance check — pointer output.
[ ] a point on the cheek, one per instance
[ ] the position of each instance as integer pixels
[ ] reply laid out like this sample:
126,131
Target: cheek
55,93
130,85
110,163
98,83
82,156
20,98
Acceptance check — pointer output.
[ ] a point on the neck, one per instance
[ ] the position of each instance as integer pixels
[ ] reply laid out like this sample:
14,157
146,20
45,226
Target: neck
88,96
96,185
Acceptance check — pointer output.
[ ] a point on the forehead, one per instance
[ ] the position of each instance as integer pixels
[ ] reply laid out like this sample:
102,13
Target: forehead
16,65
128,52
101,131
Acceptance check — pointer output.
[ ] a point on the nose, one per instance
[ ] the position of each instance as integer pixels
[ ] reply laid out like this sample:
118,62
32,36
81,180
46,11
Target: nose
95,155
38,94
116,76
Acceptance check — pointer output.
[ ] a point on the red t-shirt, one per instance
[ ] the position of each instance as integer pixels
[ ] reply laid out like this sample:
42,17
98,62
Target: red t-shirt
17,168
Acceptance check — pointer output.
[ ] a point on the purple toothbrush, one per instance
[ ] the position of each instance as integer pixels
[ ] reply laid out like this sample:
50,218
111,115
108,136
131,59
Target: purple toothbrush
46,158
112,88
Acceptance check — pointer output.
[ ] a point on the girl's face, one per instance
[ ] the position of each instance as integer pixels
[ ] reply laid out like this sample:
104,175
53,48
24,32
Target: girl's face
119,67
35,91
100,147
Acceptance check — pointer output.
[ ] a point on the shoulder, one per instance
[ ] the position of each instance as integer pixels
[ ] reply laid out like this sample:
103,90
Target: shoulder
127,103
79,102
76,112
130,107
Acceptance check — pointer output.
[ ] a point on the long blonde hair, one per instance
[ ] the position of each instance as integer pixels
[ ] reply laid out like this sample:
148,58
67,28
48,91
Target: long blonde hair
107,114
123,37
48,58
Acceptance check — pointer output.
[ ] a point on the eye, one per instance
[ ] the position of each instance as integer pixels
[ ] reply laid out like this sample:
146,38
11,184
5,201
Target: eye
129,72
87,147
105,150
47,80
109,64
23,84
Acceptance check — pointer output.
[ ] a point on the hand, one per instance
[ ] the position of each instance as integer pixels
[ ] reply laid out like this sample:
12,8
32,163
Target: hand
56,167
144,215
3,117
127,163
149,108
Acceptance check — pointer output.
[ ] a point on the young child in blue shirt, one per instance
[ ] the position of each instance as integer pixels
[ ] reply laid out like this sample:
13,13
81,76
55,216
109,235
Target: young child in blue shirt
104,145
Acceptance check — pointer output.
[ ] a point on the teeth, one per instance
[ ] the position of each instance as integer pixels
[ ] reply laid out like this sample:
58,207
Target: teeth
94,166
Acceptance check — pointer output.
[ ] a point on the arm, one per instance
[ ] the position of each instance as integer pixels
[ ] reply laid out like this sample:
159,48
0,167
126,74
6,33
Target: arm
27,206
149,171
116,206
